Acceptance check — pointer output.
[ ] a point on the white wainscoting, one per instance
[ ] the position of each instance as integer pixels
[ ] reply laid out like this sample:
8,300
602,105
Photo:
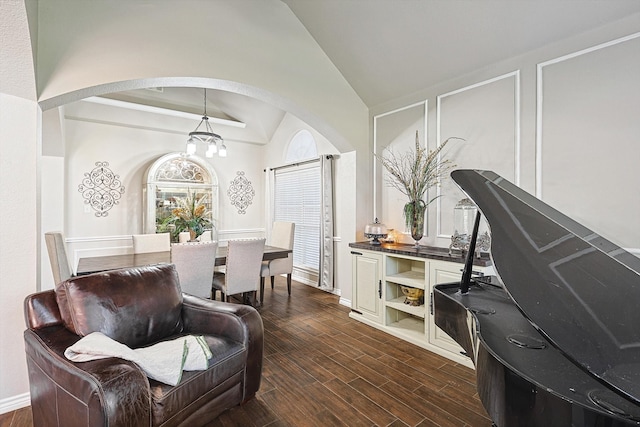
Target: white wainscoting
82,247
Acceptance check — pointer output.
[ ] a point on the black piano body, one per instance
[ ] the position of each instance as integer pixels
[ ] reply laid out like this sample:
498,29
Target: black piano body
555,335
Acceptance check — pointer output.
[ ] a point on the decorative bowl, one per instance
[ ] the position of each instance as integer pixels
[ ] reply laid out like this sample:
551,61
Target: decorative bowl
412,296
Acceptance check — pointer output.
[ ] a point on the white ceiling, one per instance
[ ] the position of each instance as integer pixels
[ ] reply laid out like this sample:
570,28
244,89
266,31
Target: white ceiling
260,118
389,49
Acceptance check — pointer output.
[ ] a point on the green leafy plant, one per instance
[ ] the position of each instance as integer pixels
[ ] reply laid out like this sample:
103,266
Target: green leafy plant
190,214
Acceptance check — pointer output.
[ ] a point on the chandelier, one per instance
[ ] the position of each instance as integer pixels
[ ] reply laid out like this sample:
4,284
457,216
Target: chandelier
206,136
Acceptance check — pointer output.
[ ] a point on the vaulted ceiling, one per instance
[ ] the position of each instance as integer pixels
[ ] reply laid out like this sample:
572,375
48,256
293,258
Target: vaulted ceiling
387,49
390,49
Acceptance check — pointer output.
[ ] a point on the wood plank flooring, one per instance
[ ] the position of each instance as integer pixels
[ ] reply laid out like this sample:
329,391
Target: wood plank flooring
322,368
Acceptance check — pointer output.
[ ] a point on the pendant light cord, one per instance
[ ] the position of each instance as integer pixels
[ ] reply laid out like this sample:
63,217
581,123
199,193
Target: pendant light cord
205,102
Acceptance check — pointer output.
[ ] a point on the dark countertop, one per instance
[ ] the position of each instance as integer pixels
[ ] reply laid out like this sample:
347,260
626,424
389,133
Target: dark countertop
429,252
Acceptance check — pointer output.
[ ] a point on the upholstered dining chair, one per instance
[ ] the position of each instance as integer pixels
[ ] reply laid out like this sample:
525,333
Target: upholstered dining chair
194,263
242,271
156,242
282,235
206,236
57,256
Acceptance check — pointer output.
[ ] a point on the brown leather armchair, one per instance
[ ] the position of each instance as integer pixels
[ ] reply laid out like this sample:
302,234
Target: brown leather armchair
137,307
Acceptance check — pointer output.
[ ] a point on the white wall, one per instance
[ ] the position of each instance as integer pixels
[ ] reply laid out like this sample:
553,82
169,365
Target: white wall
20,119
130,150
18,246
560,121
52,211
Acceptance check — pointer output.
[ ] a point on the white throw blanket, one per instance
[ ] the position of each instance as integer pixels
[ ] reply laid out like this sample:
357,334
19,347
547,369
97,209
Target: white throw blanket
163,361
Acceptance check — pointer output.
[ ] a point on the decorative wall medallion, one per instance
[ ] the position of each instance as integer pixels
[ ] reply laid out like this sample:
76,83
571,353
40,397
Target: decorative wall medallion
241,193
101,189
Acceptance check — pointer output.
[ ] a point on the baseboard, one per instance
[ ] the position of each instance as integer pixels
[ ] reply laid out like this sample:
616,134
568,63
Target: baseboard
344,301
14,403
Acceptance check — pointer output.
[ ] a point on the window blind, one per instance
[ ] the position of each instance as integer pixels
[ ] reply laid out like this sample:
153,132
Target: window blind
297,198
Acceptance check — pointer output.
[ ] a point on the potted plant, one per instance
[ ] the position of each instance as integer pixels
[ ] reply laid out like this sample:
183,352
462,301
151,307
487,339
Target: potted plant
190,214
413,173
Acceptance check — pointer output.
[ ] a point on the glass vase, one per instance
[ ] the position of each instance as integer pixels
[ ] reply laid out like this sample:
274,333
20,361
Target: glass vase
414,216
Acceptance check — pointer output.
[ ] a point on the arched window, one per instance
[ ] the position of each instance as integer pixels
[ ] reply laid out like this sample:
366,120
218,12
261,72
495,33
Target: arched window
175,176
297,198
301,147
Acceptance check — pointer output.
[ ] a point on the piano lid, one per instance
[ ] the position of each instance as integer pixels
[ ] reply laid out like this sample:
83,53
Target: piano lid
578,289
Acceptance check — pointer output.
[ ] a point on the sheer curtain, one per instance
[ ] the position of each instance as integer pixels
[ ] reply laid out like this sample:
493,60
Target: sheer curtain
325,275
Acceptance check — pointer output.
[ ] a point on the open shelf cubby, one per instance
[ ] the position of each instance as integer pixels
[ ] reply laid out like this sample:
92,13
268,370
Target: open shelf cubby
405,271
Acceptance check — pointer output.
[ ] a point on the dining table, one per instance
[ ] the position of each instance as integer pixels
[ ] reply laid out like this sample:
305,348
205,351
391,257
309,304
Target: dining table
96,264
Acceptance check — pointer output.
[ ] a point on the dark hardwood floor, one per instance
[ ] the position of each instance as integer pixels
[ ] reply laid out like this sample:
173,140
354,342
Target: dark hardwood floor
322,368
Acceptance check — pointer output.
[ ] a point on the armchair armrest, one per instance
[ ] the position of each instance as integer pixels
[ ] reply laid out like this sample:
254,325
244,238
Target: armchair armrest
89,393
241,323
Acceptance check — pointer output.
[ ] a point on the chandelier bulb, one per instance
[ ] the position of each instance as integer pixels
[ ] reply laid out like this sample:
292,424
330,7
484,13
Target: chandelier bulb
191,146
211,150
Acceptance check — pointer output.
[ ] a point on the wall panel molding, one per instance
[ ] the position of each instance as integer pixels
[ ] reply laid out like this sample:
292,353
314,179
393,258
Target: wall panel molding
375,167
396,127
586,151
492,112
540,98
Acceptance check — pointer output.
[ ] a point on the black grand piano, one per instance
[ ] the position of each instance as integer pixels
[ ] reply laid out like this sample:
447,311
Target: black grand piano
555,335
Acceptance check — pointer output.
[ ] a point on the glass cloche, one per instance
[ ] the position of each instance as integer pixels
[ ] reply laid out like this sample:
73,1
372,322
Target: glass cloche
375,231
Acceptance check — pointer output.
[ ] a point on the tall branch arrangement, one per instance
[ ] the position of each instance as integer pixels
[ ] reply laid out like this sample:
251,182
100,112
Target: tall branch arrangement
414,172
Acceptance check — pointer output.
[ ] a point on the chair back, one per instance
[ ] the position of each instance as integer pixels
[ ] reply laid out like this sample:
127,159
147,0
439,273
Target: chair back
244,261
282,236
57,256
146,243
195,263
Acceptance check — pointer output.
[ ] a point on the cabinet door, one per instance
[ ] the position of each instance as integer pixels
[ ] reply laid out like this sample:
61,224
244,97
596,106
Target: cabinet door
367,284
442,272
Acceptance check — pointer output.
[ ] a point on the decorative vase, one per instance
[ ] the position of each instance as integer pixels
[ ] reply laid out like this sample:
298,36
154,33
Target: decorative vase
414,216
412,296
192,235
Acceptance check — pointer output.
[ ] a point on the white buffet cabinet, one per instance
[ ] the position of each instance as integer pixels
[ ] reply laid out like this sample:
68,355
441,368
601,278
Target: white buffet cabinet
377,299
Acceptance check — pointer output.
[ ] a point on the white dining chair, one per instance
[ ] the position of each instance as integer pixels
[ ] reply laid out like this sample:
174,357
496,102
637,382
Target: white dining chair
242,270
184,237
146,243
282,236
194,263
57,256
206,236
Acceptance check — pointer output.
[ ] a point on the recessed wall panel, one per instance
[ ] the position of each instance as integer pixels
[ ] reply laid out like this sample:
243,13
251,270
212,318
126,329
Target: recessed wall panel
588,142
395,132
486,116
